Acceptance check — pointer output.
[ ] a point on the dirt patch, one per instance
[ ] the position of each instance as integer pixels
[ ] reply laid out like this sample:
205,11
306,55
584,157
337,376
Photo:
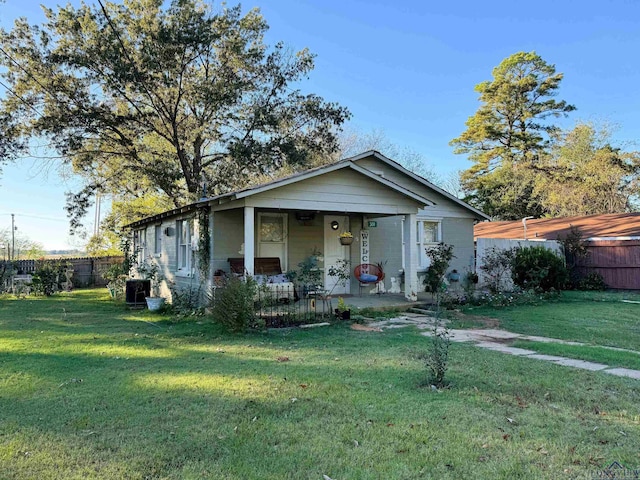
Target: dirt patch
479,320
364,328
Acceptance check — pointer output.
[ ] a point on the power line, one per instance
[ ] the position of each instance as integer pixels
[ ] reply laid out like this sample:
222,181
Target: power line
39,217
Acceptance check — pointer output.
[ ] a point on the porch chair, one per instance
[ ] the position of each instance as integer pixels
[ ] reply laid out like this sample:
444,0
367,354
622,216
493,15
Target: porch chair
368,274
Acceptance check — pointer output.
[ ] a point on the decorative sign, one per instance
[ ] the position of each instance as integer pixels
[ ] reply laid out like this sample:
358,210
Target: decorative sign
364,246
372,224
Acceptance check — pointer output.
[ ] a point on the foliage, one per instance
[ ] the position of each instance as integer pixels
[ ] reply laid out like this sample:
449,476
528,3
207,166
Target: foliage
233,305
104,244
48,277
538,268
7,271
574,248
341,272
346,235
508,134
342,306
496,265
585,174
24,247
167,97
116,275
440,256
592,281
353,142
148,269
308,273
514,298
437,359
187,301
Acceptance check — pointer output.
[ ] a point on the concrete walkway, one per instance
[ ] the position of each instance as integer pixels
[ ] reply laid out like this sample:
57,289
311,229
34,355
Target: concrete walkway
496,340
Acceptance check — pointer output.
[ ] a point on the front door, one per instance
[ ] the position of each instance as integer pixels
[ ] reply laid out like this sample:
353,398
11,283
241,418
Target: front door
333,251
272,236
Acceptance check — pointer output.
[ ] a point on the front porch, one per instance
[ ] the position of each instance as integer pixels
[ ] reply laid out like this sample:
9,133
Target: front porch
296,236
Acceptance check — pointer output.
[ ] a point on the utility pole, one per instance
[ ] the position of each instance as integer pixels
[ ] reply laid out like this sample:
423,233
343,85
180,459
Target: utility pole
13,238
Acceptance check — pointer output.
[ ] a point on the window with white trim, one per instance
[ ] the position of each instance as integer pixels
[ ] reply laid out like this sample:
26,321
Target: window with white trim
140,245
428,234
185,233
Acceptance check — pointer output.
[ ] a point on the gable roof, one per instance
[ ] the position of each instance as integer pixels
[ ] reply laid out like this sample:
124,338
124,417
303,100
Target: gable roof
314,172
613,225
418,178
281,182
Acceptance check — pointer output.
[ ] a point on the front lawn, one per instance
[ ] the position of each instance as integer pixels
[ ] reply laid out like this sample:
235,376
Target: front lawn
89,389
597,318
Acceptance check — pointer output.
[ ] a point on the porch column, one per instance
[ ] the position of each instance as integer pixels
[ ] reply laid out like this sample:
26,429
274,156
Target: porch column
410,258
249,239
211,250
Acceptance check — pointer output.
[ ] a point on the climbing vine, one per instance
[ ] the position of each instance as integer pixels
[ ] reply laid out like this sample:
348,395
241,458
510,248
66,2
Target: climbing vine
204,242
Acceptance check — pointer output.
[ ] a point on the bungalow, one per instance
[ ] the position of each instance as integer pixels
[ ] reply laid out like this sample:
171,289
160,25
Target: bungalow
393,214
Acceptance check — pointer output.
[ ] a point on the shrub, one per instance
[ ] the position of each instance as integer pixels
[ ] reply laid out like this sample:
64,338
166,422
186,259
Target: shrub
497,266
440,256
538,268
592,281
48,277
233,305
186,302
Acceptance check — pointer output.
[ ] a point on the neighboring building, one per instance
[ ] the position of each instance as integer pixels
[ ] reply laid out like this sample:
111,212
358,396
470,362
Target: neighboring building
394,216
613,241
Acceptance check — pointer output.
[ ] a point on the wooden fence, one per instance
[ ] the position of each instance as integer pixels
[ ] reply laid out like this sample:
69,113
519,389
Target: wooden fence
618,261
87,271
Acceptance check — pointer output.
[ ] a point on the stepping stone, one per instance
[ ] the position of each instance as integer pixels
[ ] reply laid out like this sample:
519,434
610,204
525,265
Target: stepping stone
570,362
624,372
465,336
549,358
535,338
501,334
498,347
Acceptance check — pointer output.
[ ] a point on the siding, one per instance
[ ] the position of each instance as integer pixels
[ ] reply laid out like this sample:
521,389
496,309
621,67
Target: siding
228,237
341,191
444,207
386,244
459,233
304,238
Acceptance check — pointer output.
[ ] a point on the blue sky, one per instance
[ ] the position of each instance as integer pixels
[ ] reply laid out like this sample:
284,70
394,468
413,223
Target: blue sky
409,68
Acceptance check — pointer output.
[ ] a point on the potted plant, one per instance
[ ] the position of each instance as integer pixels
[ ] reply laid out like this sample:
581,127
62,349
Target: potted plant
342,312
346,238
454,276
150,271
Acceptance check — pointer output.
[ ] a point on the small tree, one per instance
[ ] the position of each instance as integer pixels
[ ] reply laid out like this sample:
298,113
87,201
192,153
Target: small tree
440,256
574,250
497,267
437,359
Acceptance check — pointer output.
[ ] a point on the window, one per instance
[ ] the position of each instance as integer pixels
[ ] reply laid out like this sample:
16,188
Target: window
428,233
139,245
185,232
157,246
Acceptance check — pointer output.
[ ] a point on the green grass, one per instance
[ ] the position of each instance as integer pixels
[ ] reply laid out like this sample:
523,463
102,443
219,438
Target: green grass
613,358
597,318
89,389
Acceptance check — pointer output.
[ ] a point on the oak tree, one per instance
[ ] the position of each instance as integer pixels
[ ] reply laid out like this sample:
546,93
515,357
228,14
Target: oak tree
147,96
